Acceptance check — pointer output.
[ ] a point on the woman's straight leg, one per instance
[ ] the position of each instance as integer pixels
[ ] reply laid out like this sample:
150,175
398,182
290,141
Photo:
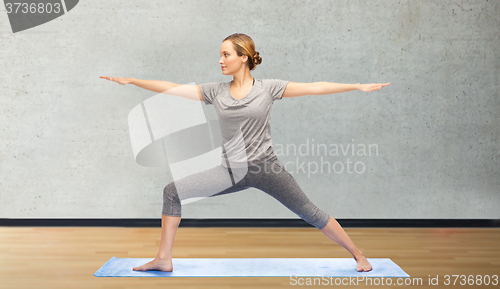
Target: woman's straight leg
272,178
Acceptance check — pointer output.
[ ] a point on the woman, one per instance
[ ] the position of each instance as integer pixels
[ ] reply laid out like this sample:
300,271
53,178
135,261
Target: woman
244,105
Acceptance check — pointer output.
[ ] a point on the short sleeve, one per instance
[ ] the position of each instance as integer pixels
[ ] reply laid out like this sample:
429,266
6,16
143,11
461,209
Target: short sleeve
275,87
209,91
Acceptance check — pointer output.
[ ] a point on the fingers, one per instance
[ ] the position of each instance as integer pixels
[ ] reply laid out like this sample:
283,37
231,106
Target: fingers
107,77
373,86
380,85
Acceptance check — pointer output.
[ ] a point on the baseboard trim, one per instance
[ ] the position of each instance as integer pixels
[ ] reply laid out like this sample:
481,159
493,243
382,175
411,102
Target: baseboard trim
262,223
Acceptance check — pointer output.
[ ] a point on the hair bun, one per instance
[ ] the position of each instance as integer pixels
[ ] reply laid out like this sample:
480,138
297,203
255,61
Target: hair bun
256,58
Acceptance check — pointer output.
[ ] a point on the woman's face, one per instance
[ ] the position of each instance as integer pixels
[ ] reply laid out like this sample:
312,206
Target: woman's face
230,61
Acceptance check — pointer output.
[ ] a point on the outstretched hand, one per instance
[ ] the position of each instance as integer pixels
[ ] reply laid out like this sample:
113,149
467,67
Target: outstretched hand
120,80
372,86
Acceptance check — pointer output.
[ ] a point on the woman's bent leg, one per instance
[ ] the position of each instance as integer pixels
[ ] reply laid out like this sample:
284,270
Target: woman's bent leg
202,184
215,181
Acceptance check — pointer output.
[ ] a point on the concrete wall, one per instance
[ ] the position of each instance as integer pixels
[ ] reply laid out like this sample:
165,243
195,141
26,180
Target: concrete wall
65,145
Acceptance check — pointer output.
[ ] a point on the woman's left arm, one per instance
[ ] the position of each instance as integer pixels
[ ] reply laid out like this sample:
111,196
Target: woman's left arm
294,89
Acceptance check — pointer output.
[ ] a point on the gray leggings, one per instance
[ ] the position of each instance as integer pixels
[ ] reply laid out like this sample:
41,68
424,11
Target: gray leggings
269,176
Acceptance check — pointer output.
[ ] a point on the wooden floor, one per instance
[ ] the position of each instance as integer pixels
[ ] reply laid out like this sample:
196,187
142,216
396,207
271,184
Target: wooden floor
55,257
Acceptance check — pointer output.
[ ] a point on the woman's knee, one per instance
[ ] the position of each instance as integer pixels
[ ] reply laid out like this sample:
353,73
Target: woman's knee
170,192
171,202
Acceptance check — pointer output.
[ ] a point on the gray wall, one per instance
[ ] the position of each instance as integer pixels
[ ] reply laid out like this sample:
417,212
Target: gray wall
65,145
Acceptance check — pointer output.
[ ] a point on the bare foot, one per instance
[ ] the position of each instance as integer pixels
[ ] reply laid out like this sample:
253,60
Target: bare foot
157,265
363,264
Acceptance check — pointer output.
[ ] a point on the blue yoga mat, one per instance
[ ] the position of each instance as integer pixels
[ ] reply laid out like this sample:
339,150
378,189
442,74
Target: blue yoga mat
252,267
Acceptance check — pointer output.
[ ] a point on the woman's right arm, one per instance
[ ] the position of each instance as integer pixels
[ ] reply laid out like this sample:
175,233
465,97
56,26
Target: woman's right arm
187,91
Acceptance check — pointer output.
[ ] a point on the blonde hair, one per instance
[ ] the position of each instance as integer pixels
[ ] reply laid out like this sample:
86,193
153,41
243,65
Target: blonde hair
244,45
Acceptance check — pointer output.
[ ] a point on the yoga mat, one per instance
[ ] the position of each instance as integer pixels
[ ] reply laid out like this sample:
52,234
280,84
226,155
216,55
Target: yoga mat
252,267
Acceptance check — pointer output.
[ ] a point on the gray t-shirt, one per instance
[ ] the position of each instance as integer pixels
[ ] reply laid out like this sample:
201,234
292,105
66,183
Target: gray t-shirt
245,123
